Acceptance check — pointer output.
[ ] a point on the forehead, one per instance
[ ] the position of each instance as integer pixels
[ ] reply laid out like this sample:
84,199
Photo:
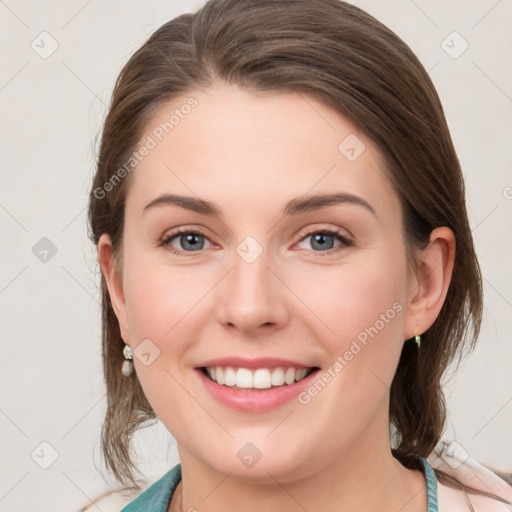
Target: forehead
237,147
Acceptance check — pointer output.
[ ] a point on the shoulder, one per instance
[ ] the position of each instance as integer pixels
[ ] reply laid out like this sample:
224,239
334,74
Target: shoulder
157,497
109,501
460,478
458,500
486,504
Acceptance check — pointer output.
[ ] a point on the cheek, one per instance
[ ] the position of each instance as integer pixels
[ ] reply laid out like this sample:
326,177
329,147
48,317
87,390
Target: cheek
361,329
163,306
360,308
160,297
353,297
166,305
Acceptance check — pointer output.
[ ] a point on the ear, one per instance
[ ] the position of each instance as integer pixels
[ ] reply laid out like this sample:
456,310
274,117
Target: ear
114,283
429,285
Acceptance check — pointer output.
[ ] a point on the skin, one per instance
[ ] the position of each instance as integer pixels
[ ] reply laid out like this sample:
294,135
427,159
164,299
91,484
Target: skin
249,155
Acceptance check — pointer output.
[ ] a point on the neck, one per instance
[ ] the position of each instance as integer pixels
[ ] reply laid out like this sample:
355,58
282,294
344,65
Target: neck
365,476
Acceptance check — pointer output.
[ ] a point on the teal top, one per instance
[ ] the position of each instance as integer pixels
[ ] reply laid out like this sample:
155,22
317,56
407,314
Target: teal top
158,497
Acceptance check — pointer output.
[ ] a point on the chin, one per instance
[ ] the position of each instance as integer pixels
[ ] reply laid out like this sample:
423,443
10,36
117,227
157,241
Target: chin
264,461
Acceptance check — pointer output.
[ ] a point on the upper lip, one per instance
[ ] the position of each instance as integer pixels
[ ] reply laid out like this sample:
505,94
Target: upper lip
260,362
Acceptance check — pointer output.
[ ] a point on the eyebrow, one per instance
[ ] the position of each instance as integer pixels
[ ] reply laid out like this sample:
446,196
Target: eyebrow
294,207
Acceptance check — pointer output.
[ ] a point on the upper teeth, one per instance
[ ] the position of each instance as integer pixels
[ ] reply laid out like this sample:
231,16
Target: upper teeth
260,378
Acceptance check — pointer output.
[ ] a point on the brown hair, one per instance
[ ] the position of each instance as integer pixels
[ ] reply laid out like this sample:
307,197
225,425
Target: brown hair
343,57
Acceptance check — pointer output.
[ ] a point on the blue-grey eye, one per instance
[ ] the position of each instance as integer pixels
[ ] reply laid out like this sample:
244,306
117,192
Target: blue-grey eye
188,241
322,241
191,241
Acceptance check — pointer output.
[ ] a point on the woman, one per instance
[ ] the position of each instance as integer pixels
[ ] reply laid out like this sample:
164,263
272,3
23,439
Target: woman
287,264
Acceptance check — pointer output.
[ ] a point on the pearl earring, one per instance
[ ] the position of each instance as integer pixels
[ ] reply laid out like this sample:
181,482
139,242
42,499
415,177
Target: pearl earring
127,368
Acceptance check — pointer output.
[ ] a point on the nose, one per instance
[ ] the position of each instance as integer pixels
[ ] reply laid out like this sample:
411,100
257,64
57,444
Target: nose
252,297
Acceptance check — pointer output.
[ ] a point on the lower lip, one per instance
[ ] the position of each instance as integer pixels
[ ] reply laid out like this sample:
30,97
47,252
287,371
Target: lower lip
255,400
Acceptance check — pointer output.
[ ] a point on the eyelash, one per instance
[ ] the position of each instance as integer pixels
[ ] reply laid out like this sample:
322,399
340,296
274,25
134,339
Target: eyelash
346,242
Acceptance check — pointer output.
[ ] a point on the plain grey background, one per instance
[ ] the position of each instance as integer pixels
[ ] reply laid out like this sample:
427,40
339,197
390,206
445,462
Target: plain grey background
60,60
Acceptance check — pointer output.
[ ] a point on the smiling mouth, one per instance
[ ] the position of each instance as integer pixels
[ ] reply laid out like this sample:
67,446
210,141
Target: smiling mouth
257,379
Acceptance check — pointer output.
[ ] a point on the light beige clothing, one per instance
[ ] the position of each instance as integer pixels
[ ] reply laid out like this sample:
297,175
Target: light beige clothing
454,460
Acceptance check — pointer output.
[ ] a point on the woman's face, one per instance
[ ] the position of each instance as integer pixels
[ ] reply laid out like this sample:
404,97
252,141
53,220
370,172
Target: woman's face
265,177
